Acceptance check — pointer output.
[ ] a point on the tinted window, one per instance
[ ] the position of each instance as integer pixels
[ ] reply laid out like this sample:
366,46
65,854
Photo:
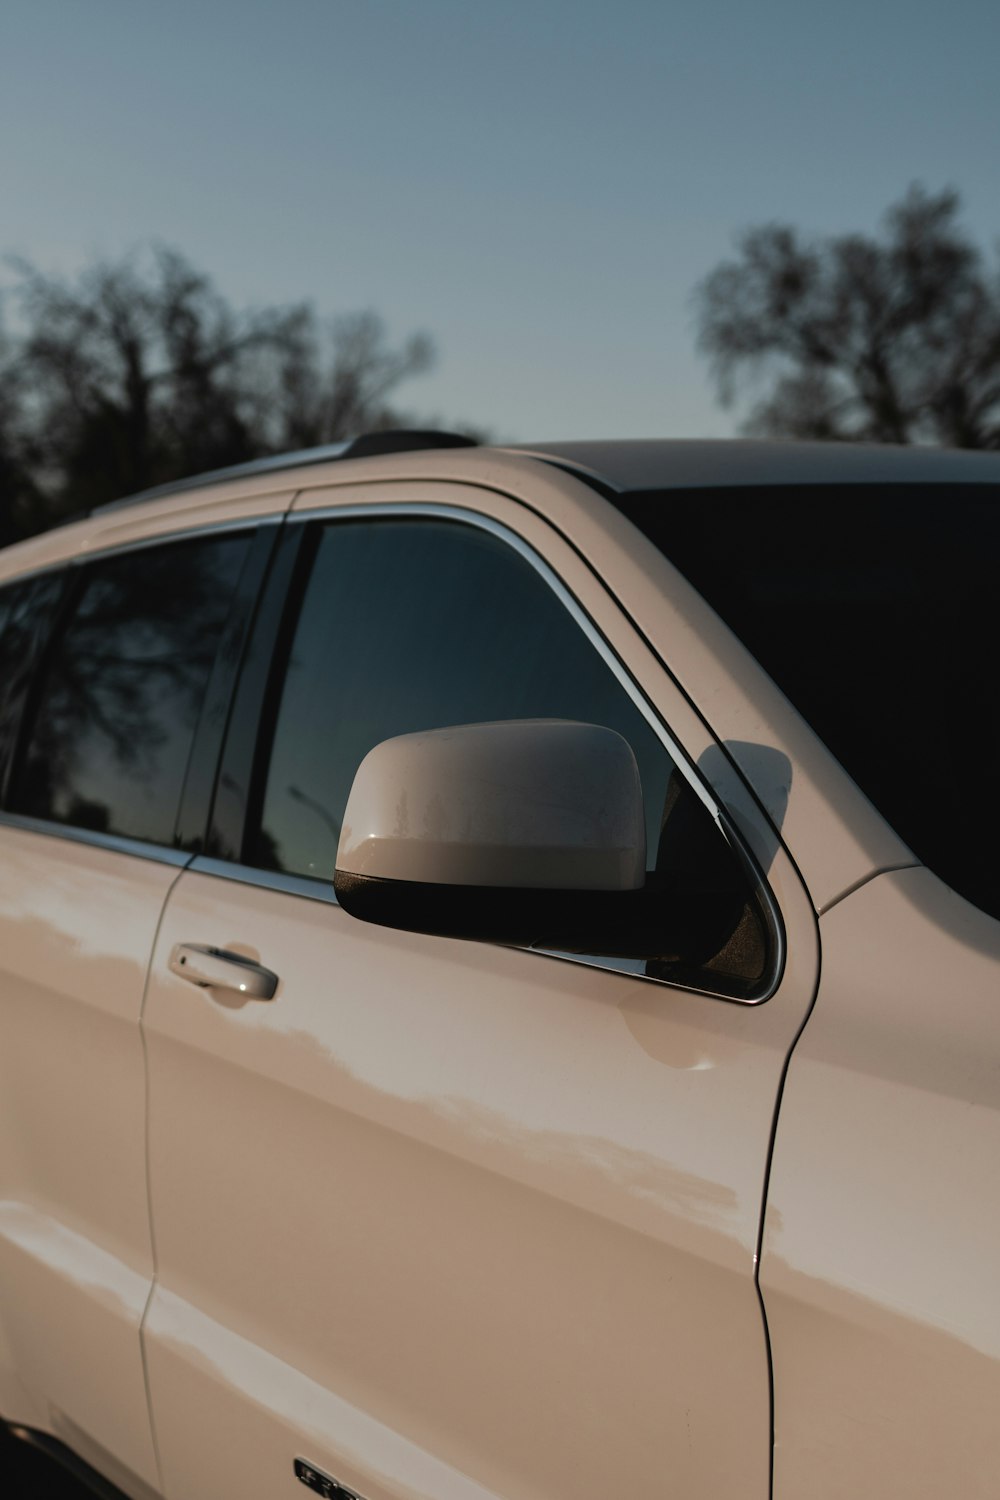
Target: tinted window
874,609
119,697
409,625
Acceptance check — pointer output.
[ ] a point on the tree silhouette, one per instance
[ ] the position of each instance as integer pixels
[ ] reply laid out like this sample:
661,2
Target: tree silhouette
893,339
139,372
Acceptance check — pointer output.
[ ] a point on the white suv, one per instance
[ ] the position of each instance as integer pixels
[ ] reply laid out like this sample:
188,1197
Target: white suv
643,1137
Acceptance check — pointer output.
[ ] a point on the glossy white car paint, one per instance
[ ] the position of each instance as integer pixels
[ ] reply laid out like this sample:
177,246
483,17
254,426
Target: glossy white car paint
523,803
881,1252
454,1221
76,1265
550,1178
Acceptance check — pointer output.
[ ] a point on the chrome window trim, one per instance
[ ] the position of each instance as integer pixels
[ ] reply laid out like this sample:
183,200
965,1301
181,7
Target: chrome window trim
463,515
271,880
116,843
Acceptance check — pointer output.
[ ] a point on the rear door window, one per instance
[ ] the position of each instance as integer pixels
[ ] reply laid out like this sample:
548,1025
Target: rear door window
117,700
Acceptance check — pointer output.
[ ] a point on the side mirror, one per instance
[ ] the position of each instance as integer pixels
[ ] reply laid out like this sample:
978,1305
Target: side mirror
528,832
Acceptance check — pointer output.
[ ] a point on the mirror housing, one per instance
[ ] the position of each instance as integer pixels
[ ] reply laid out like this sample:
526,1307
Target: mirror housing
527,803
527,832
501,832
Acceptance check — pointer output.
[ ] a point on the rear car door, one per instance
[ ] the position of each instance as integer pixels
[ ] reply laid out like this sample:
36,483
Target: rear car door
443,1219
112,682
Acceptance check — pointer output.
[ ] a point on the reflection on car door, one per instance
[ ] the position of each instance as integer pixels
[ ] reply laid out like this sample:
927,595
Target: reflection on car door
444,1219
91,807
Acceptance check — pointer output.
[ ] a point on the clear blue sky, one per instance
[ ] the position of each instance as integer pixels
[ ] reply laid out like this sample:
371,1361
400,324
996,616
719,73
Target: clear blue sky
539,185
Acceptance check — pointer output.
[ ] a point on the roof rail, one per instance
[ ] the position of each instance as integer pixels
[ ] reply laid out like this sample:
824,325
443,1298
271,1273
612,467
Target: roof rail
405,440
366,445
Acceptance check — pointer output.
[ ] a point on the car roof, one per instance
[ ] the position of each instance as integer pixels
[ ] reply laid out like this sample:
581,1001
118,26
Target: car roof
694,463
622,465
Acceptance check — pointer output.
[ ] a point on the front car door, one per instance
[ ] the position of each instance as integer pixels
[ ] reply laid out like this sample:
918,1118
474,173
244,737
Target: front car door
443,1219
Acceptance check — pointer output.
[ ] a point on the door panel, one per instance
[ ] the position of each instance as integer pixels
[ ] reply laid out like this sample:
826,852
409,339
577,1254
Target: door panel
500,1206
443,1218
76,930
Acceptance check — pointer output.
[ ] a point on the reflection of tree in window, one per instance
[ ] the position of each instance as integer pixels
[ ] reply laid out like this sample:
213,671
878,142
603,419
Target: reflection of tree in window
120,700
27,609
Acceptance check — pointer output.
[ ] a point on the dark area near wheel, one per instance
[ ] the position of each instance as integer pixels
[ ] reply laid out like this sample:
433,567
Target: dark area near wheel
26,1474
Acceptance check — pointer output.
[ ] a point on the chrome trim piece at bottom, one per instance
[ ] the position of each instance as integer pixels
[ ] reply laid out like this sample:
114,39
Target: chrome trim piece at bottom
324,1484
138,848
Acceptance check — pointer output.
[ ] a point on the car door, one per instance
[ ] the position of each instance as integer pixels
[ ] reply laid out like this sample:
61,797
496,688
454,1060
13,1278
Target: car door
444,1219
108,719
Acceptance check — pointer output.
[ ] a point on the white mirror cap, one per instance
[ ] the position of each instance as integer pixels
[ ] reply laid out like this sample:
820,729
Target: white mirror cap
528,803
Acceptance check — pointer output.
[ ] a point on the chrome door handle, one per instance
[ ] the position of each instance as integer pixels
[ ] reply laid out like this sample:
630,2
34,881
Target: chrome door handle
217,968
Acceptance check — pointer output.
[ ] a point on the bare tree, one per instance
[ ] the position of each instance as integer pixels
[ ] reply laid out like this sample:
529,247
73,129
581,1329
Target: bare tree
19,495
139,372
893,339
337,386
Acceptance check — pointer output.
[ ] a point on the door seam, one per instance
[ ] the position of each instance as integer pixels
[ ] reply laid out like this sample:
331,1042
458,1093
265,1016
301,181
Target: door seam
759,1248
149,1195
